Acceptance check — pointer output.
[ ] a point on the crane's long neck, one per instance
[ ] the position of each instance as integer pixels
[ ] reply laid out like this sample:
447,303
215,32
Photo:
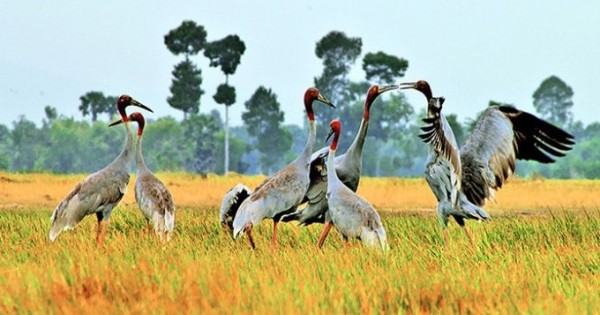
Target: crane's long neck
139,157
125,155
310,142
356,147
331,172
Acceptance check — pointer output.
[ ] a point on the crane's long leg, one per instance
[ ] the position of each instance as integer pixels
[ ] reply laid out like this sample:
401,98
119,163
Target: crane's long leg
101,232
274,238
248,230
323,236
464,228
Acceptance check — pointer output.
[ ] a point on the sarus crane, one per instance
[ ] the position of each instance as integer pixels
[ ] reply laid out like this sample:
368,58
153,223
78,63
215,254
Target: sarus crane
152,196
100,192
348,167
281,193
462,180
351,215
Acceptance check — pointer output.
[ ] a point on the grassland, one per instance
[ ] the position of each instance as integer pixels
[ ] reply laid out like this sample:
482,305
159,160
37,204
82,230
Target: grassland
540,254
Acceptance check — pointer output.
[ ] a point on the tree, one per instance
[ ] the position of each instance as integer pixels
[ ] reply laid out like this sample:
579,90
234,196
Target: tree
338,53
384,68
553,101
263,119
94,103
5,152
226,53
202,131
185,88
187,39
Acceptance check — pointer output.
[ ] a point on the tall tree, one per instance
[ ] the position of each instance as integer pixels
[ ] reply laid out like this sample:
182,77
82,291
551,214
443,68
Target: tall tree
263,119
94,103
383,68
226,53
338,53
185,88
187,39
553,100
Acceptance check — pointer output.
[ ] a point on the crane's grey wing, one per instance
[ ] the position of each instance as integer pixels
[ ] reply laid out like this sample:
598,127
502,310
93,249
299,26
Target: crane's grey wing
156,195
502,135
231,203
98,193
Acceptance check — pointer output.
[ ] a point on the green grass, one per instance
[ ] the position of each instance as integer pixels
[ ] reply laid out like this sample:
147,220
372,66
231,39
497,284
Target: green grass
539,264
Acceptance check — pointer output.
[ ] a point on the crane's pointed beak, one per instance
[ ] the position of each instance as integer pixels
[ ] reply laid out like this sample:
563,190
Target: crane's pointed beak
329,135
140,105
408,85
324,100
114,123
384,89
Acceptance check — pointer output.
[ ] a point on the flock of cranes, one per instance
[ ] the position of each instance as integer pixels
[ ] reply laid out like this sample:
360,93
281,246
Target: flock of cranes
461,179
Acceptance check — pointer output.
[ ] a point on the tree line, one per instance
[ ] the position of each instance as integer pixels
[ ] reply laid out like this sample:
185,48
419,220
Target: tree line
204,143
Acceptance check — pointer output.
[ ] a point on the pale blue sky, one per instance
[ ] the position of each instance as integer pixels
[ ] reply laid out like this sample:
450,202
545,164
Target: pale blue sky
470,51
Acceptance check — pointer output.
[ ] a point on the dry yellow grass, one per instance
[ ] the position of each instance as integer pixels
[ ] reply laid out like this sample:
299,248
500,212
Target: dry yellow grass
534,264
387,194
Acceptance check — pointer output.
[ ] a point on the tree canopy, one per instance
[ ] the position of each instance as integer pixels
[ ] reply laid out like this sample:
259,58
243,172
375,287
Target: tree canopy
187,39
553,100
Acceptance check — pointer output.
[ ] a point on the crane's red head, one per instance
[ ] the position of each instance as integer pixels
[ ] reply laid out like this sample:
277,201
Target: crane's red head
421,86
311,95
137,117
372,94
126,100
335,128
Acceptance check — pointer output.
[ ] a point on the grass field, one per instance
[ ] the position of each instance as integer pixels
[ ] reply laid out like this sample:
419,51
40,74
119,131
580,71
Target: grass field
539,255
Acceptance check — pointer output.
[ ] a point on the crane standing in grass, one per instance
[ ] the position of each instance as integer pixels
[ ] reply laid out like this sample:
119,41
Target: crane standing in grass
351,215
281,193
152,196
463,180
348,167
100,192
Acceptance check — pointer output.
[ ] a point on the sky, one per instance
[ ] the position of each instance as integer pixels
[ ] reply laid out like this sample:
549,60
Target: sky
471,52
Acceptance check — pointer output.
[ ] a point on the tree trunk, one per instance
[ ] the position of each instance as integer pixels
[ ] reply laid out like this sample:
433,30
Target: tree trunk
226,167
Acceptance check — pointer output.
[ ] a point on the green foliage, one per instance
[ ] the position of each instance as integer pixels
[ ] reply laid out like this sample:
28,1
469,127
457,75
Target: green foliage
383,68
93,103
185,88
188,39
5,154
338,53
553,100
201,152
263,119
164,145
225,53
237,148
225,94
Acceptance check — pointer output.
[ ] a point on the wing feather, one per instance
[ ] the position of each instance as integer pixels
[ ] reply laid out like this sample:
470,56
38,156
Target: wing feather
502,135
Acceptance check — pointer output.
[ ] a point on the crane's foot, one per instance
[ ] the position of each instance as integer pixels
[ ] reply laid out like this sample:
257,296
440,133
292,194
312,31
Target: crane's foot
323,236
